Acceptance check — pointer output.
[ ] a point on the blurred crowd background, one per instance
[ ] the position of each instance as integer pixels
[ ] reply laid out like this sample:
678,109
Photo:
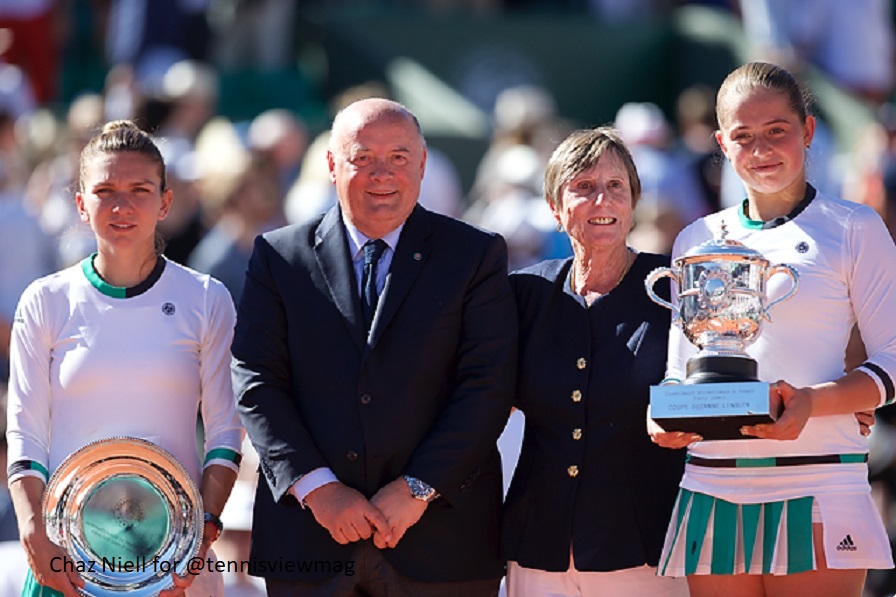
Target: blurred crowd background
240,94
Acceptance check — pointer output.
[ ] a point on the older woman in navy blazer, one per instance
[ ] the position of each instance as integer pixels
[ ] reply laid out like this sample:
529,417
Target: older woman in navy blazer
591,496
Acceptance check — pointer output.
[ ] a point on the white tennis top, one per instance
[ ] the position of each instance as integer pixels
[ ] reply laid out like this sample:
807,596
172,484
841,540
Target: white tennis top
90,361
846,263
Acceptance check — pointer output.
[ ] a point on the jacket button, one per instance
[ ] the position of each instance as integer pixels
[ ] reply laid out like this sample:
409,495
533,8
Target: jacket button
577,396
581,363
366,398
351,456
573,471
577,434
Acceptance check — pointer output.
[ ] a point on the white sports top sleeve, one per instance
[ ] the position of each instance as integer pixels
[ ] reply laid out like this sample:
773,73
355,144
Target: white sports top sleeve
88,365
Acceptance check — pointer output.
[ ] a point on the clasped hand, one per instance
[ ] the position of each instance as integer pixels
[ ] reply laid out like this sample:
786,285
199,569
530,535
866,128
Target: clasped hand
348,516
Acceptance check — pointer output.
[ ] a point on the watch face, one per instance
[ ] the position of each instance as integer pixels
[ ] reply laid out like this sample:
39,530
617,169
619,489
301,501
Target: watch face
419,489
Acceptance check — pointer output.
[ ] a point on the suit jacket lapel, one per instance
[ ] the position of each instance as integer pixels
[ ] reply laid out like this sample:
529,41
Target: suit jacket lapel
407,263
331,251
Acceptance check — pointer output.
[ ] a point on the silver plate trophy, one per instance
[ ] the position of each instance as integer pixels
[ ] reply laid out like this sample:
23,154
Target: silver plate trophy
127,515
722,304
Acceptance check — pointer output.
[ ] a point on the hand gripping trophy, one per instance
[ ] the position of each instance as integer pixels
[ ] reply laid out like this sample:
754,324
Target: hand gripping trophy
722,303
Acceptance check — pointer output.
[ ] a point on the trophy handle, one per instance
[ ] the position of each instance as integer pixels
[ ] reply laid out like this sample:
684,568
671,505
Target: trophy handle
794,276
652,278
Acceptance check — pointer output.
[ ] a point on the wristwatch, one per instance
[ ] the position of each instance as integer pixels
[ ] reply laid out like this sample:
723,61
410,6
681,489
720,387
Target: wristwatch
420,490
208,517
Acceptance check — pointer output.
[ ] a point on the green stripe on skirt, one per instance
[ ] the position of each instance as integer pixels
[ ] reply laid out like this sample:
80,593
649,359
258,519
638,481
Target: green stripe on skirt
33,589
739,526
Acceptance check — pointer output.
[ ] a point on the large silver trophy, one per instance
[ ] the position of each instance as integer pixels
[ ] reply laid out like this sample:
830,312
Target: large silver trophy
722,304
127,515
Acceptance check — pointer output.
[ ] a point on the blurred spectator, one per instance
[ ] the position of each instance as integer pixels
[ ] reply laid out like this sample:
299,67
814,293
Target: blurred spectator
25,254
122,96
17,97
282,138
185,225
254,34
671,196
35,28
517,212
146,33
311,193
189,89
144,42
25,251
867,163
870,175
241,198
441,190
887,117
850,41
695,111
523,116
52,183
620,11
507,195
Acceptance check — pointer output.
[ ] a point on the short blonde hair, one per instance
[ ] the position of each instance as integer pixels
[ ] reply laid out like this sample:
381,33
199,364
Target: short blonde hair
580,151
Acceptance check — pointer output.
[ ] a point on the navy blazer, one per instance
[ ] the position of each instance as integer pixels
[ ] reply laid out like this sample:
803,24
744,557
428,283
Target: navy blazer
588,475
426,395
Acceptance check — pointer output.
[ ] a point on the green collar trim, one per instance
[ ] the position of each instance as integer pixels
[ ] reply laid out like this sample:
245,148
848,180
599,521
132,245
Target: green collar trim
120,292
745,221
749,224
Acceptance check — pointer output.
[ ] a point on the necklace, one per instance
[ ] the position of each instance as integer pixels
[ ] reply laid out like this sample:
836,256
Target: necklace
593,294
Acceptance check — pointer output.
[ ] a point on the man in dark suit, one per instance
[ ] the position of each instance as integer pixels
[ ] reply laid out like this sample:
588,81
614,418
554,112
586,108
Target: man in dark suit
374,362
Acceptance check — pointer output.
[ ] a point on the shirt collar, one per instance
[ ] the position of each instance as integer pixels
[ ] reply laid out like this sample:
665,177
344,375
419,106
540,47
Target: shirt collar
357,239
746,222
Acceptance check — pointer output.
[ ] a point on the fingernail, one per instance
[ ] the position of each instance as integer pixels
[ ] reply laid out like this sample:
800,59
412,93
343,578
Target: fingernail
679,434
698,438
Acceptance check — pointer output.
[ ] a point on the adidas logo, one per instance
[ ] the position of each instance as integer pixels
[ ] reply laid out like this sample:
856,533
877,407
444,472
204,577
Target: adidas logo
847,544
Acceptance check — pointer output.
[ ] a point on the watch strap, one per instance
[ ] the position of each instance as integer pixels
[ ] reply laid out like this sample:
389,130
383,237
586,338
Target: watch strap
421,490
208,517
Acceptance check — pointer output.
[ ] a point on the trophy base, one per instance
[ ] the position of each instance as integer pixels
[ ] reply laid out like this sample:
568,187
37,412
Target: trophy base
720,369
714,410
715,428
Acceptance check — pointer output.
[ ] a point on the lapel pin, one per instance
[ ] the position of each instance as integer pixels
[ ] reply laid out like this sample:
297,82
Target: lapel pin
418,256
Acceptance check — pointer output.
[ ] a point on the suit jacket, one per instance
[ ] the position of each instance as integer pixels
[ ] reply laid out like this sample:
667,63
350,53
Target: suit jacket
426,395
588,475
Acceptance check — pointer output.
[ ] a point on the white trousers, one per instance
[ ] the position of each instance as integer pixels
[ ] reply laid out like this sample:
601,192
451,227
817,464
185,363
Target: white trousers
631,582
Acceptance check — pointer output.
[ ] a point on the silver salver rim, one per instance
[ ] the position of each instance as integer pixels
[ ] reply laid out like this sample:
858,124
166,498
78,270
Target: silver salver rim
190,488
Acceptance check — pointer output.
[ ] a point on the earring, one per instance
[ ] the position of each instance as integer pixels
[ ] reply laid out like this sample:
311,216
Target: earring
559,227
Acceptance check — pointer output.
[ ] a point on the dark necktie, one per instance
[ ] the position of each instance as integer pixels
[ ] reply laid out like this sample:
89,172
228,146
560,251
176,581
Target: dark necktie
373,250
